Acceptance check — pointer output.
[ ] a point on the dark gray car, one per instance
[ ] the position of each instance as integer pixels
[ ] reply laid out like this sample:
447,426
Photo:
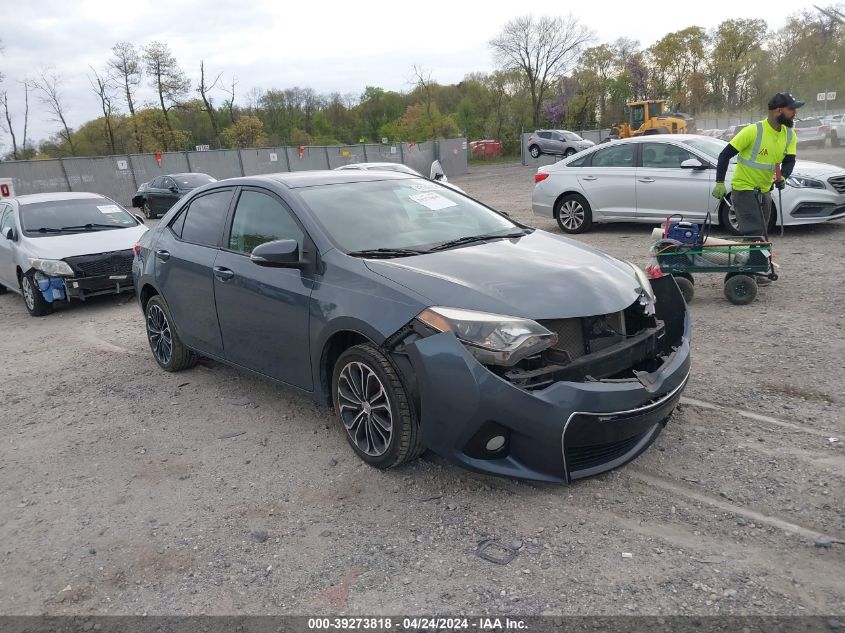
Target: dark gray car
156,197
424,318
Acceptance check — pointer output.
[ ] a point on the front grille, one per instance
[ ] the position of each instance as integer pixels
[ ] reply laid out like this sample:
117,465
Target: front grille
584,457
580,336
570,335
838,183
113,263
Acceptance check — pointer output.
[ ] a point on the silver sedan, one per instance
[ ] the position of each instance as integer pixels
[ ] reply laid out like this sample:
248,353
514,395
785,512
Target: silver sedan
55,247
647,178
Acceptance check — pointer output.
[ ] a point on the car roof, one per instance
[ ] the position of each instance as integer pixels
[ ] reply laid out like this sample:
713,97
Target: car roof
298,179
35,198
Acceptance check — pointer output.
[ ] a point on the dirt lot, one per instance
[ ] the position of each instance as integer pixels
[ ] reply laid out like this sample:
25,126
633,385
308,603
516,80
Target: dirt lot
127,490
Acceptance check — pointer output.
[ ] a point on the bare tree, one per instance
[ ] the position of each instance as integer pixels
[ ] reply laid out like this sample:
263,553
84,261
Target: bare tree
422,80
48,85
166,78
542,49
203,89
9,128
103,87
126,68
26,88
230,102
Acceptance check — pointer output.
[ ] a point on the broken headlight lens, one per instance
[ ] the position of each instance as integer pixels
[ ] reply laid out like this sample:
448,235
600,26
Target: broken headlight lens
51,266
493,339
647,296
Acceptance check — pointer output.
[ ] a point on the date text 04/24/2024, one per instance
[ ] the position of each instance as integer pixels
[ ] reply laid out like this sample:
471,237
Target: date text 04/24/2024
417,624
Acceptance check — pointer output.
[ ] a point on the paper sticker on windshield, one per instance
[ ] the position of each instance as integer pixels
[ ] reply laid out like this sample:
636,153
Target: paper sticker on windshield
110,208
425,186
433,201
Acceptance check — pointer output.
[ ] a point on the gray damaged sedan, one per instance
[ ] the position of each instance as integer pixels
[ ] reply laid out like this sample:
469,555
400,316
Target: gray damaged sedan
57,247
423,317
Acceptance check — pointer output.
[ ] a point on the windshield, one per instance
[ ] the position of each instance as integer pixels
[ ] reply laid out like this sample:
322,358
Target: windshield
411,213
192,181
571,136
70,216
712,147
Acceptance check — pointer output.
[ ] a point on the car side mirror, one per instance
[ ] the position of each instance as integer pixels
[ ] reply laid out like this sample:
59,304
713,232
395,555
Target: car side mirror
9,234
692,163
139,218
174,188
277,254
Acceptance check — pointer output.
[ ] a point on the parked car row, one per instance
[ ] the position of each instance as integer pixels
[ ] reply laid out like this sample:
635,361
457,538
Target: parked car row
814,131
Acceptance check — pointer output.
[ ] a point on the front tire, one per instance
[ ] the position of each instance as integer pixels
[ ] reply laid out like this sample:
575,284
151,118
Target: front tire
35,302
148,212
373,406
573,214
535,152
167,348
568,153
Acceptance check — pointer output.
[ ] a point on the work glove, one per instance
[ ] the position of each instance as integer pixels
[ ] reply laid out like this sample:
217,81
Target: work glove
720,191
780,184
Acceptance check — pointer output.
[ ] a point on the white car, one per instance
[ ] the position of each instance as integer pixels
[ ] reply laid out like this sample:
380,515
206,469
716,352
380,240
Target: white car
437,172
647,178
836,122
62,246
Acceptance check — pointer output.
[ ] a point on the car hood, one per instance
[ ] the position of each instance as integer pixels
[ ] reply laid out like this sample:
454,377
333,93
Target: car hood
538,276
812,168
91,243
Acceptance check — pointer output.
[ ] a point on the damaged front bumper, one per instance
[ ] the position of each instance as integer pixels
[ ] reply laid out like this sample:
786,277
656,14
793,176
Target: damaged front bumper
567,430
64,288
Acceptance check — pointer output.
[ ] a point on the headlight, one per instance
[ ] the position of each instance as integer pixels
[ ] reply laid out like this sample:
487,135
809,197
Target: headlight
647,296
51,266
493,339
802,181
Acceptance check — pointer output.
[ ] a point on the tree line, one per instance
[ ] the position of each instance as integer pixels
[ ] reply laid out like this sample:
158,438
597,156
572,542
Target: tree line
550,72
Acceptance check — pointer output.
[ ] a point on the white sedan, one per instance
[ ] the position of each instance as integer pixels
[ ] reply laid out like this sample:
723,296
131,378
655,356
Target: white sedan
437,172
647,178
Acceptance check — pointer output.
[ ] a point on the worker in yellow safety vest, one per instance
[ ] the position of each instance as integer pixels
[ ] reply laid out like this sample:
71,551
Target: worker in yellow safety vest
760,147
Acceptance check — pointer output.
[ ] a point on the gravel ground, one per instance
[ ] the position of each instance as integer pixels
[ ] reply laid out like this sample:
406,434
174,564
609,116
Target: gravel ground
127,490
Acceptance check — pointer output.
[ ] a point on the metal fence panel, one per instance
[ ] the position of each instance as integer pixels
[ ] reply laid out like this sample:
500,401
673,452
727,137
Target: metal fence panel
220,163
453,156
35,176
260,161
383,153
146,168
307,157
102,175
340,155
419,156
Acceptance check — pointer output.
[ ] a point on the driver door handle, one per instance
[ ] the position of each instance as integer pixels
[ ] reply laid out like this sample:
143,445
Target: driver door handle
162,255
223,274
646,179
590,178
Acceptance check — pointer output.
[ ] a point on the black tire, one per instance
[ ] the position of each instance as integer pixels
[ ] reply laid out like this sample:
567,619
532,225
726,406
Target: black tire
148,213
728,220
3,289
573,214
361,364
834,139
686,285
160,332
34,301
740,289
535,152
569,152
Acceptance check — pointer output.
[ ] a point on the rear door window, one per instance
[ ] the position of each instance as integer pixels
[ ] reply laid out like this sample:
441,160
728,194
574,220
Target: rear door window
615,156
664,155
202,222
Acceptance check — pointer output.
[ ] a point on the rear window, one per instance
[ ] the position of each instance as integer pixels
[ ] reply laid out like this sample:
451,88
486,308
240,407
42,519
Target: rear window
69,216
193,180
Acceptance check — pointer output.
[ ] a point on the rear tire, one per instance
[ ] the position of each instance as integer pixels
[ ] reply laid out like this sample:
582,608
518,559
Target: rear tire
374,409
148,212
167,348
535,152
740,289
35,302
573,214
569,153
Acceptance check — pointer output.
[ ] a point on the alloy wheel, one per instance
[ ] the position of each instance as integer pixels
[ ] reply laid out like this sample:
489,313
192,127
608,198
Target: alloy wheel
28,293
365,409
572,215
158,332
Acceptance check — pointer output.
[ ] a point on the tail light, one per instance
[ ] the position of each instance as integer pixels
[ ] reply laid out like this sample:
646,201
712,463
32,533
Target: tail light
540,177
137,248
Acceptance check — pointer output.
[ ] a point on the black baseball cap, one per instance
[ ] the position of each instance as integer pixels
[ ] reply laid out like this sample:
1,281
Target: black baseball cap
784,100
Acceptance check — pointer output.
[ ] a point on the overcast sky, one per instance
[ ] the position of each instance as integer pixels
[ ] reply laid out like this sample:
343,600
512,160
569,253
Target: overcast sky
327,45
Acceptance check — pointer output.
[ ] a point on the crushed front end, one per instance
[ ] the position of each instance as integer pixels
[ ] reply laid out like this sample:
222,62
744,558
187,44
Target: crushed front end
589,403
